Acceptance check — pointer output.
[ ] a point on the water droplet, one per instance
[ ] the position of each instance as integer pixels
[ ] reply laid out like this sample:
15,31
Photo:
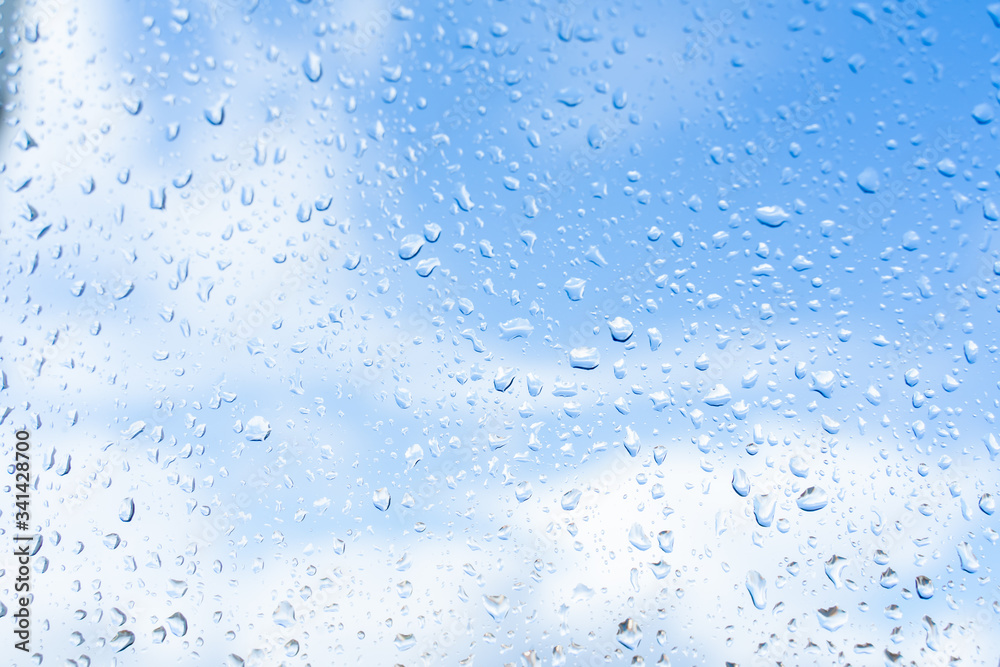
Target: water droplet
410,246
178,624
741,483
574,288
632,444
832,618
523,491
823,382
757,588
868,180
925,587
404,398
596,137
381,499
570,96
812,499
586,358
967,558
257,429
504,378
462,197
718,396
216,113
621,329
834,568
122,640
284,615
497,606
518,327
629,634
763,509
426,266
637,536
983,113
127,510
571,499
312,66
772,216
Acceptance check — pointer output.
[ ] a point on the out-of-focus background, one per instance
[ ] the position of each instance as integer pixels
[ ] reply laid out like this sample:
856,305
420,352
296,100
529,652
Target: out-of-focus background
505,332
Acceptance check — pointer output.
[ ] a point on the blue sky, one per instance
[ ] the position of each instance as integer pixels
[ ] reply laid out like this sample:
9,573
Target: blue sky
789,204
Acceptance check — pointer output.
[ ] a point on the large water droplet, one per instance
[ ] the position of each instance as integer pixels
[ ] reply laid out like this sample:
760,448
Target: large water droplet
284,615
571,499
637,536
574,288
504,378
257,429
832,618
621,329
772,216
178,624
410,245
122,640
216,113
763,509
629,634
497,606
586,358
925,587
127,510
718,396
812,499
312,66
834,568
741,483
967,559
381,499
868,180
757,587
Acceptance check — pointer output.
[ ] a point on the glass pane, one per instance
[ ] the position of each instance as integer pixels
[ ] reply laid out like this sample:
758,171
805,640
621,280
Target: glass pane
520,332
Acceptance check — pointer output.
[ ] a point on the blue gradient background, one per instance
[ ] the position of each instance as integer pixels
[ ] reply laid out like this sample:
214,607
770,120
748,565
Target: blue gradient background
269,283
